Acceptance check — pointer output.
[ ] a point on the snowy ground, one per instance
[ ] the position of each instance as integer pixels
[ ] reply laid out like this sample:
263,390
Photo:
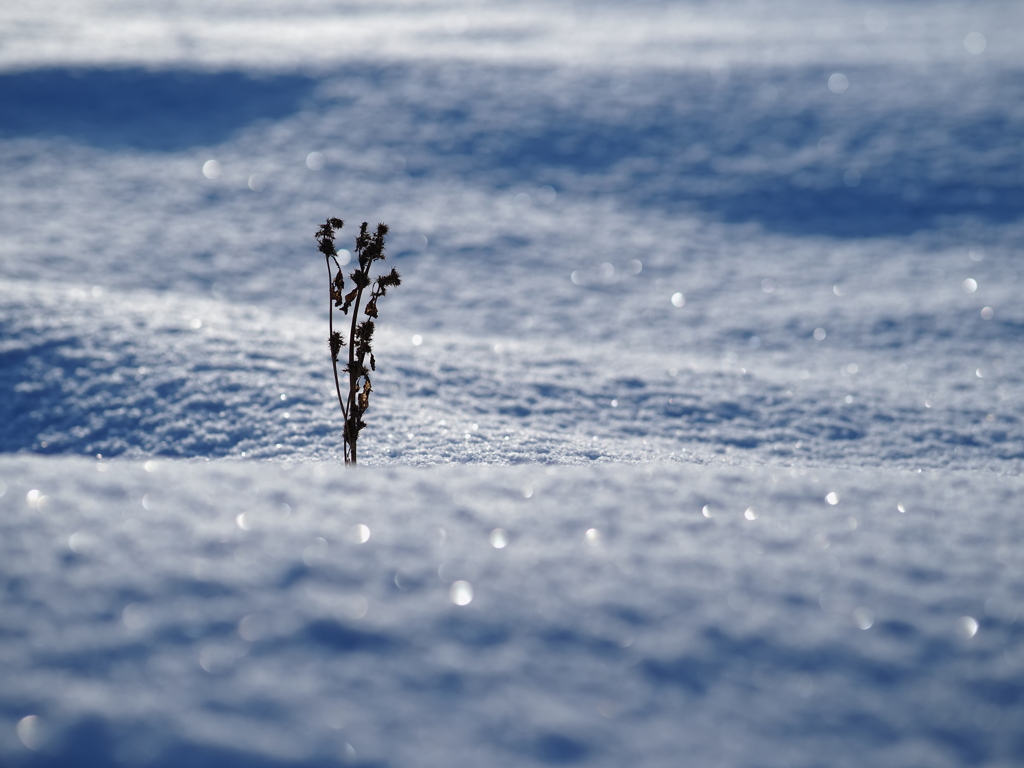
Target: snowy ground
735,285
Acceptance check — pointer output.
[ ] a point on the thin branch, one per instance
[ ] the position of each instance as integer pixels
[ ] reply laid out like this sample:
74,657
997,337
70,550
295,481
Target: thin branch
330,325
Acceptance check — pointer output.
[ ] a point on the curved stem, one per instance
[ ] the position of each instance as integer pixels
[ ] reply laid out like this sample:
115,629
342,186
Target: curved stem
353,375
334,360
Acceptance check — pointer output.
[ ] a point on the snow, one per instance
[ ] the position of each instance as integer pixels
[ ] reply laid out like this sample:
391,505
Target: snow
697,432
166,612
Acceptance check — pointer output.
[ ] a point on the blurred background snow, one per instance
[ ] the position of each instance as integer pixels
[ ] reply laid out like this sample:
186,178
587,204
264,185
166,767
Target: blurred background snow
767,254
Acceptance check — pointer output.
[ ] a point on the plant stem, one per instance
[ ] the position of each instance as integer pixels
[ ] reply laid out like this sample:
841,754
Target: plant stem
353,375
334,360
330,324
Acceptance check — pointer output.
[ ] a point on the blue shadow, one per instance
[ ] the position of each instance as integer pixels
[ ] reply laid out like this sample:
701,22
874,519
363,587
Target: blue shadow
135,108
769,146
894,154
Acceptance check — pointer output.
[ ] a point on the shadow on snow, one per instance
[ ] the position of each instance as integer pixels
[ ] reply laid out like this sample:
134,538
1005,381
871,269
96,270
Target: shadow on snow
899,151
142,109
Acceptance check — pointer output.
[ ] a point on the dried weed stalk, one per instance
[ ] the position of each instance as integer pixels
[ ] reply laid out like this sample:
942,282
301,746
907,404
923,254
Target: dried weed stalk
369,248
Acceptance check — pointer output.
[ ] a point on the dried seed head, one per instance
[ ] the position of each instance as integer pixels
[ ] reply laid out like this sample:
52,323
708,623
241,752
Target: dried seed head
336,342
364,396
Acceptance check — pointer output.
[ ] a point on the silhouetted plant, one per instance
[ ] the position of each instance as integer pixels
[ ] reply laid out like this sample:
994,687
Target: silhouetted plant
369,248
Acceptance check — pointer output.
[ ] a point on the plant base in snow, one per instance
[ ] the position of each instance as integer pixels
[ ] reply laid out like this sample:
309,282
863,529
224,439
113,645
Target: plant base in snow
369,248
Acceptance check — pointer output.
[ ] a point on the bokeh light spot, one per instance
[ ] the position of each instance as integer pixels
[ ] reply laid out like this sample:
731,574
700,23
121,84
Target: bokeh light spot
29,730
838,83
315,161
975,43
254,627
864,618
315,552
461,593
546,195
499,538
967,627
211,169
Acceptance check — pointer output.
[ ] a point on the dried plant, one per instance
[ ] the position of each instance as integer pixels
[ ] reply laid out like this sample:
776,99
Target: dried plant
369,248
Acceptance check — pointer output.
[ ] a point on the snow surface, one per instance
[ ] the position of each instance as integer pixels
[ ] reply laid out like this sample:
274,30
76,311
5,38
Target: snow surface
715,305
